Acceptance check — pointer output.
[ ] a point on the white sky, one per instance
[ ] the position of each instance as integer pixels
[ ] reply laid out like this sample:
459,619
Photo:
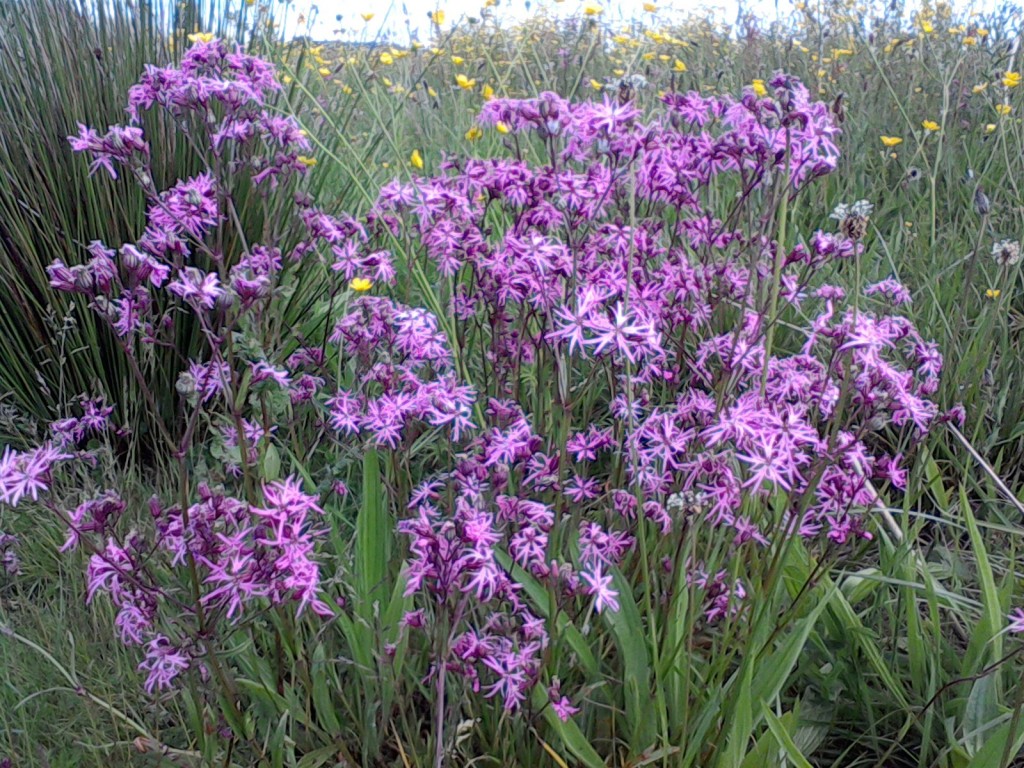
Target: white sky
400,19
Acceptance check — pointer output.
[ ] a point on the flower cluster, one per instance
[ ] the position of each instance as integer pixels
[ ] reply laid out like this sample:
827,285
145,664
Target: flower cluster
404,374
243,549
612,363
616,281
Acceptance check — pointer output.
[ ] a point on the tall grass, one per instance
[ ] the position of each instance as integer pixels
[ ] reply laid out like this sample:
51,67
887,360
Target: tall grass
65,62
893,657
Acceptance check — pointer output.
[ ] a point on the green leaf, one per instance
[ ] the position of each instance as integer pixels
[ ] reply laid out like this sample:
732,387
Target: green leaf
991,755
319,757
271,469
933,477
981,712
322,676
568,732
742,729
986,642
784,738
628,629
373,537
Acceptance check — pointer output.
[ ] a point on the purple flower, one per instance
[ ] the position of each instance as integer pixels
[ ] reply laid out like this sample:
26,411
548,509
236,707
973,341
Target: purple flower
188,208
199,290
561,704
600,586
163,664
1016,621
26,474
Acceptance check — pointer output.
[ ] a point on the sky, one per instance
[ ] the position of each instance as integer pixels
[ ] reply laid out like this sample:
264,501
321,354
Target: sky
400,19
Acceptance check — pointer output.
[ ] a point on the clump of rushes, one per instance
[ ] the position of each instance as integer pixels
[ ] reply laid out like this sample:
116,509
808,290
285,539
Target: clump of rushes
237,537
624,405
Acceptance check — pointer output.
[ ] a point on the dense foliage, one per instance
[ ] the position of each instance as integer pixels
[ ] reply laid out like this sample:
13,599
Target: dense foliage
609,445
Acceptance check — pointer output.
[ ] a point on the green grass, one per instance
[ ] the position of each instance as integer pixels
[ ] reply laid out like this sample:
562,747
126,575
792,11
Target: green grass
899,656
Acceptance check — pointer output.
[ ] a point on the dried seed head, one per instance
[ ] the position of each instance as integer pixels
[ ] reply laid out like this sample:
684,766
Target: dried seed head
854,227
1006,252
853,219
982,205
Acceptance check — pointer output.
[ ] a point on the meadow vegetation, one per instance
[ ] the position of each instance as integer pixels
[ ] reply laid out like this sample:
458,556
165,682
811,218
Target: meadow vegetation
551,393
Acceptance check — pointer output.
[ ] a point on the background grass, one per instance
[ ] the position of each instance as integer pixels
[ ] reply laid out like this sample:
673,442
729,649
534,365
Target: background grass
899,671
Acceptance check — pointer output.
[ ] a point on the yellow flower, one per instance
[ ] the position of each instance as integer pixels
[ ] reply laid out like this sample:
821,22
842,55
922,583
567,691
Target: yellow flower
250,2
367,16
993,293
891,141
1011,79
759,89
488,92
466,83
457,60
309,162
386,58
286,79
438,17
650,7
970,40
678,66
592,9
596,85
324,72
431,92
474,133
502,128
360,284
926,27
416,159
929,125
980,88
990,128
1004,109
201,37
